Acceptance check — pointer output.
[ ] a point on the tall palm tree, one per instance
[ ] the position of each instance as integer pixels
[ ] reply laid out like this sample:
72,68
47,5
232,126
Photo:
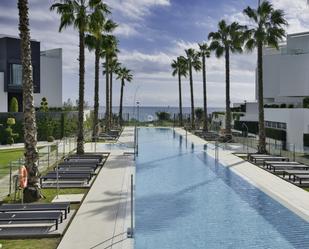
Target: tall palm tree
267,30
98,27
204,53
31,193
124,75
193,63
77,13
228,38
113,67
109,49
179,67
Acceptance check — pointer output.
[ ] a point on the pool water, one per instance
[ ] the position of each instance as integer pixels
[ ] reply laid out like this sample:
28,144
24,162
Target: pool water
186,201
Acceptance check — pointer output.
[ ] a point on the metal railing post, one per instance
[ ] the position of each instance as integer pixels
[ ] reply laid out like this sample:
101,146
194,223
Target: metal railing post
48,156
10,185
293,152
130,232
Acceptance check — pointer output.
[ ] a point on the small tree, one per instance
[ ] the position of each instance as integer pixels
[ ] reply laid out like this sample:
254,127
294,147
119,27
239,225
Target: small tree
14,105
9,134
199,113
163,116
44,105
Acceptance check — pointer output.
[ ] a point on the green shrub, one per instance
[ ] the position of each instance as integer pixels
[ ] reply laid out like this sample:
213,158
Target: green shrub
50,139
9,136
290,106
13,105
10,122
306,102
163,116
199,113
283,106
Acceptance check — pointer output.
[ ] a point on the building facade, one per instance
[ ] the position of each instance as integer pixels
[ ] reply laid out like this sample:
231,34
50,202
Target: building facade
47,74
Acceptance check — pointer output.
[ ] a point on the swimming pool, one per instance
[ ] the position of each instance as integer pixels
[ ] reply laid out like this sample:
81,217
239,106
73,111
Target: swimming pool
185,201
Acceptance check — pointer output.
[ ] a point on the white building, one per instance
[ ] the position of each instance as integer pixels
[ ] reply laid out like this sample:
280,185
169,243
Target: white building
286,84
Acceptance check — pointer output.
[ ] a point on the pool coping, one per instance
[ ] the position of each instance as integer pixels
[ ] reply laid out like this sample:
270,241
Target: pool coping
287,194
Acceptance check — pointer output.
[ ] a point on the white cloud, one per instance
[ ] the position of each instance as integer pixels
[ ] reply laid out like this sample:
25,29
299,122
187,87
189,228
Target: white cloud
126,30
136,9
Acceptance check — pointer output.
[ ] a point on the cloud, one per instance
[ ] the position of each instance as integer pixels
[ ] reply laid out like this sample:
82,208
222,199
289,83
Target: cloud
126,30
136,9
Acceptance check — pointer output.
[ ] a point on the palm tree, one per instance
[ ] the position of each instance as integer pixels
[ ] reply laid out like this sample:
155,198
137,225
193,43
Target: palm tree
267,30
204,53
109,49
193,62
124,75
179,67
76,13
98,27
228,38
32,192
113,67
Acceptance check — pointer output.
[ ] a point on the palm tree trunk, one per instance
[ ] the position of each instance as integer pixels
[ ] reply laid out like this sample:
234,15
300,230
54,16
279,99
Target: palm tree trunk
180,100
228,125
96,94
205,120
32,192
111,98
121,102
80,133
107,111
192,98
262,135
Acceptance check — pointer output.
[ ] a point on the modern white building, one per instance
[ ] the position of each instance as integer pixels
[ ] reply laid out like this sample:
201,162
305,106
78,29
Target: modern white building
286,84
47,73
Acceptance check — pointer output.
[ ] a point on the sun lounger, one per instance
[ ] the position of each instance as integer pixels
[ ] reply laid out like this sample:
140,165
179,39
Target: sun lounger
275,167
80,166
65,206
31,217
94,156
83,160
66,176
75,170
269,158
292,173
301,178
266,163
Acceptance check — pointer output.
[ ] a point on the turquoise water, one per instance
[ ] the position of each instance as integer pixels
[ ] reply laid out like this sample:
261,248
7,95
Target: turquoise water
185,201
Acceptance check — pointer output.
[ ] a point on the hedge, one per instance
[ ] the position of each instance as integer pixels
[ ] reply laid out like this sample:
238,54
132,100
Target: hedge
253,127
276,134
56,124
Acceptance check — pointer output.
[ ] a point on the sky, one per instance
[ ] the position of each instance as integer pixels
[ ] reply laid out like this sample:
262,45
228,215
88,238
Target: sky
151,34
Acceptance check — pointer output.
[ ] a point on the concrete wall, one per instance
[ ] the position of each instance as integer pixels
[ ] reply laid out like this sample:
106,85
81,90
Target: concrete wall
3,95
252,112
297,120
51,78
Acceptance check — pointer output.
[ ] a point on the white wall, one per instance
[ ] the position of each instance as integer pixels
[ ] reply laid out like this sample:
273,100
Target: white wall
252,112
3,95
297,120
51,78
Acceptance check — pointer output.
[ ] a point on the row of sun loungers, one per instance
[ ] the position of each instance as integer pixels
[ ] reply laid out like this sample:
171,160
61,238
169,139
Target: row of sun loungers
75,170
72,170
27,214
294,172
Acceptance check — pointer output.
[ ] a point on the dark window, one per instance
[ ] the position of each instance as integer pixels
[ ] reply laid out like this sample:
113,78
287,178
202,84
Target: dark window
16,75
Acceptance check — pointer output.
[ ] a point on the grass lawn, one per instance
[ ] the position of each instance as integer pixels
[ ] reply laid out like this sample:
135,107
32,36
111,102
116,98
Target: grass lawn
6,156
30,243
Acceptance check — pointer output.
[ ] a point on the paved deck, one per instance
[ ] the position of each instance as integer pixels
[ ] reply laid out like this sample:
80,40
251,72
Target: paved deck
289,195
104,216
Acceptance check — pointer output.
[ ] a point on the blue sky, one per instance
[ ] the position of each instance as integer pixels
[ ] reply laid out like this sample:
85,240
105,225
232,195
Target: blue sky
151,34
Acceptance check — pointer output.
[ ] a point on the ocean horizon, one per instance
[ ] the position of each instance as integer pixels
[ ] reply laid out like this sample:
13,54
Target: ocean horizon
149,112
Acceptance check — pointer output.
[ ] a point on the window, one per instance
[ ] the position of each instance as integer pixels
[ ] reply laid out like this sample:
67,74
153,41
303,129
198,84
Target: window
16,75
276,125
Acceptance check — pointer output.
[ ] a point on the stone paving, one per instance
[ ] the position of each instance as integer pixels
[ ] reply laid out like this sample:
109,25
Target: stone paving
104,216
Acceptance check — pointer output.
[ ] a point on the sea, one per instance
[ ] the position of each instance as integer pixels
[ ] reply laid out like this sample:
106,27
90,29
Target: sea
148,113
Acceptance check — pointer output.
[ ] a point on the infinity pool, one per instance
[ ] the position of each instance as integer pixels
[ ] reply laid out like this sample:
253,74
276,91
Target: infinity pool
185,201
